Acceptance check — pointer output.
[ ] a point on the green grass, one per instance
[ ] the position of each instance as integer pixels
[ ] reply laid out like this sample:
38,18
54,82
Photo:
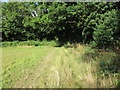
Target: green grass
17,59
55,67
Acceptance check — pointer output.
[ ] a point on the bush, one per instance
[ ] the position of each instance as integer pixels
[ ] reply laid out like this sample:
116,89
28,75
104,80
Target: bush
29,43
6,44
103,34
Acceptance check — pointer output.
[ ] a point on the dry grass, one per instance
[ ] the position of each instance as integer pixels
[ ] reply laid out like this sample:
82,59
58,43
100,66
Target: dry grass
64,71
26,46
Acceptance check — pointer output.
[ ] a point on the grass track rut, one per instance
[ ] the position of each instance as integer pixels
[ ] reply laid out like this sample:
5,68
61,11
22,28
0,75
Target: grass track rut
57,69
54,71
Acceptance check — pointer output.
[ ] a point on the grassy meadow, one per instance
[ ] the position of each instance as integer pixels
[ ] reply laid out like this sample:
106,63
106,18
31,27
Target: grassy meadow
57,67
60,44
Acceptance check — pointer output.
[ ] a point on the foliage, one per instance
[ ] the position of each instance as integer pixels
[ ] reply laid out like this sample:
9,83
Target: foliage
62,21
107,64
90,55
104,31
111,64
29,43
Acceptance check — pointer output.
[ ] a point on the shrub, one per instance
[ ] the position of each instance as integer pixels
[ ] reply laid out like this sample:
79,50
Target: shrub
29,43
6,44
103,34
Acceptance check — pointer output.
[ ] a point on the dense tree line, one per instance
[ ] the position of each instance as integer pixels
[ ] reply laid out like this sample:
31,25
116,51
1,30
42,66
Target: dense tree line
96,23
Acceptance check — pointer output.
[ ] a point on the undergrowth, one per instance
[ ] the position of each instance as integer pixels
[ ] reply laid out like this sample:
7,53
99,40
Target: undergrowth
28,43
100,67
107,66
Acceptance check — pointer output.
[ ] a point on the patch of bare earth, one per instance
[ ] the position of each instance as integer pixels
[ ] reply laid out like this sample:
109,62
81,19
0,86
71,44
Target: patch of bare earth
26,46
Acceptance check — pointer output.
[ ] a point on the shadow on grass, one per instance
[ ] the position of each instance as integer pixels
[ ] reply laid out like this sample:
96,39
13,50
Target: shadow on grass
109,64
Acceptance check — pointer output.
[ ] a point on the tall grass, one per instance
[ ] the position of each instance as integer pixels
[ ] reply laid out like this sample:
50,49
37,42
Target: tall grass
106,66
95,68
80,67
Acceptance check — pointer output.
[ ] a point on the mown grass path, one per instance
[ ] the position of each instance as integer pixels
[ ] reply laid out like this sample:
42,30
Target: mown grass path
19,61
38,67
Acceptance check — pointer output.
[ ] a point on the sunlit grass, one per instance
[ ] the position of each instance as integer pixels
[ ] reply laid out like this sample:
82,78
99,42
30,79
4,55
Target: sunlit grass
17,59
55,67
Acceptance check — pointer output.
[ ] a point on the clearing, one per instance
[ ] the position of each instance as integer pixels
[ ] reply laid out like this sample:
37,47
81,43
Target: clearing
46,67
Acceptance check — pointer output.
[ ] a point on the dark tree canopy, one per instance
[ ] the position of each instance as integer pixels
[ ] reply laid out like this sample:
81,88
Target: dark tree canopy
86,22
